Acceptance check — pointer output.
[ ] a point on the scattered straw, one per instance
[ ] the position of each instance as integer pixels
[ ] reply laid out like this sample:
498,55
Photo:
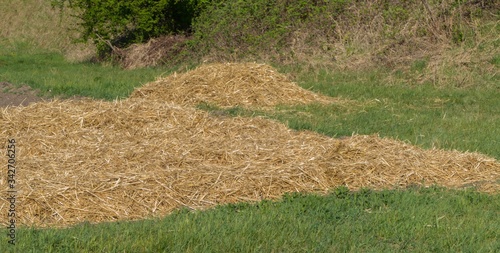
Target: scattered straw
104,161
153,53
230,84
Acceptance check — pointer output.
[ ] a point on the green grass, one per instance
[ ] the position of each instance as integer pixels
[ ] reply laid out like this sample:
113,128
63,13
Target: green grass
410,220
414,220
463,119
52,75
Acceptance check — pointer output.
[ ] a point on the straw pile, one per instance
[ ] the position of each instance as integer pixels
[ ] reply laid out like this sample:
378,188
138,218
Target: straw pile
104,161
228,85
153,53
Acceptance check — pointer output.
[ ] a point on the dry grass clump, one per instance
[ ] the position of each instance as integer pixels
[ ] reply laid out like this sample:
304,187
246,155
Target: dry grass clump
105,161
155,52
35,22
228,85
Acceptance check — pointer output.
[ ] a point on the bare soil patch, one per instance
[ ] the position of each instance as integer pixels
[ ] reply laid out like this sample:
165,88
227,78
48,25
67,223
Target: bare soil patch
24,95
13,95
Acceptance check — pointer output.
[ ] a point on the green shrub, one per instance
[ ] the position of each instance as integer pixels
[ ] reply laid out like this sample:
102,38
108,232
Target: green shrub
237,28
330,32
311,30
116,23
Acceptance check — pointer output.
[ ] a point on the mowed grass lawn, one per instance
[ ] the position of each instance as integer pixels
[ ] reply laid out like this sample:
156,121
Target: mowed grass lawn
412,220
53,76
416,220
440,117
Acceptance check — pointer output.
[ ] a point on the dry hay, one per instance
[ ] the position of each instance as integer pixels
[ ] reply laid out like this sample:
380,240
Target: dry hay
105,161
228,85
153,53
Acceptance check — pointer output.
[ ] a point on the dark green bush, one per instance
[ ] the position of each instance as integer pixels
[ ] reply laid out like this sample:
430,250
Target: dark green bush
117,23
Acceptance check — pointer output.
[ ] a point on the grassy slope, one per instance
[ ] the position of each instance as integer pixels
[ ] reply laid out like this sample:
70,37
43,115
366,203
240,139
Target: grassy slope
36,23
415,220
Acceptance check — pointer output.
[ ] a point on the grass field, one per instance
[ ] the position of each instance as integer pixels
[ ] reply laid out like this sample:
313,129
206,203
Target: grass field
445,95
413,220
50,73
462,119
416,220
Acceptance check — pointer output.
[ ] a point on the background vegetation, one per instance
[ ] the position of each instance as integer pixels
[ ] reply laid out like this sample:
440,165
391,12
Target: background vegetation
113,23
438,42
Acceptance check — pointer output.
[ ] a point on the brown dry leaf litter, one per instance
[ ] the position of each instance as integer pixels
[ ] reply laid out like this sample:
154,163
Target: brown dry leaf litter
105,161
228,85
